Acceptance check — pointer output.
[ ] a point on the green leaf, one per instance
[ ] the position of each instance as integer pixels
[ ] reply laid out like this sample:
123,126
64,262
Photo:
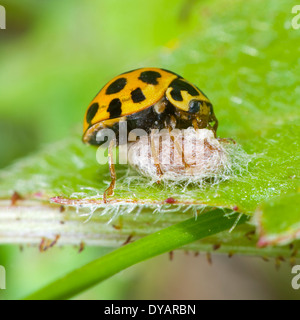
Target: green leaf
169,239
278,220
249,69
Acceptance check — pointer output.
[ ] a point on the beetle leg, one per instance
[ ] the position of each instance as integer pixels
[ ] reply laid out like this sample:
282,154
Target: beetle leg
160,106
213,118
215,127
227,140
195,124
110,190
177,145
155,156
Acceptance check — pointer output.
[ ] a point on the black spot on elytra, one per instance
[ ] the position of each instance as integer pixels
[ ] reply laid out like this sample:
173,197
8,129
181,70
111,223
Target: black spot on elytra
116,86
92,112
181,85
194,106
115,108
137,95
150,77
176,95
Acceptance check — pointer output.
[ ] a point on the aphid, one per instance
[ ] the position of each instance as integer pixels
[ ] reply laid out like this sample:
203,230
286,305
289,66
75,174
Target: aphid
81,247
170,201
15,197
208,258
54,241
230,254
147,98
128,240
46,243
216,246
42,244
250,234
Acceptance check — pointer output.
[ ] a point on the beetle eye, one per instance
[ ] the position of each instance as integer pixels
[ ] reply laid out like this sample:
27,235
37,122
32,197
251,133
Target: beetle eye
194,106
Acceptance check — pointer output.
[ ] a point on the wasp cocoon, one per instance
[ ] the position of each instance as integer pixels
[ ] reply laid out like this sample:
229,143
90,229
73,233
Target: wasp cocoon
181,155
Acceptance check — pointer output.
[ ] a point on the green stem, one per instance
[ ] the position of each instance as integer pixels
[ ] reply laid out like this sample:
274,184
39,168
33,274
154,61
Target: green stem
166,240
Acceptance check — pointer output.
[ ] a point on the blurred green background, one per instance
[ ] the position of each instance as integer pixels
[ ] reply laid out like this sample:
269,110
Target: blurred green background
54,58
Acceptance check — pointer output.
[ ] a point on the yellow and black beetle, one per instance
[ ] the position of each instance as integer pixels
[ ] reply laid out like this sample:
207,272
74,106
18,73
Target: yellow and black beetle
147,98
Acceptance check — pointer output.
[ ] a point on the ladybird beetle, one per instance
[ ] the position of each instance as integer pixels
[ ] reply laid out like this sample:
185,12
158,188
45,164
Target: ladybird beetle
147,98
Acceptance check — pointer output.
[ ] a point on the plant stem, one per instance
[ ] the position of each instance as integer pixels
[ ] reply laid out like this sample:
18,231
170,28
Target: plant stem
166,240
